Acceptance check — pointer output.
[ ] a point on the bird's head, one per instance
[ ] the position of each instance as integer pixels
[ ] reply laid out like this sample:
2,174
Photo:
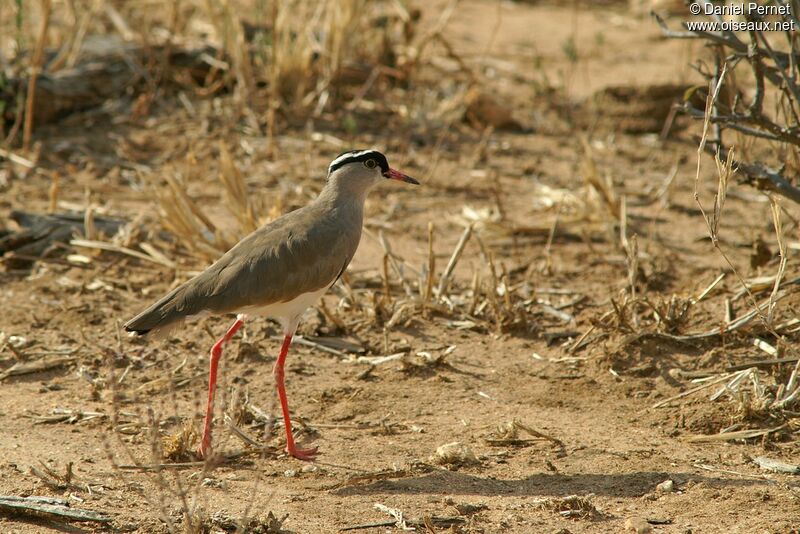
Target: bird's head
362,169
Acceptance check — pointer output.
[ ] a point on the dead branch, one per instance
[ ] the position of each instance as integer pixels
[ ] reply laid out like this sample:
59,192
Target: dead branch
773,74
103,76
49,507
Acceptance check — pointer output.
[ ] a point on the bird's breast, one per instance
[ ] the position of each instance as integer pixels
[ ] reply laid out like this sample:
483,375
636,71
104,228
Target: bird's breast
287,310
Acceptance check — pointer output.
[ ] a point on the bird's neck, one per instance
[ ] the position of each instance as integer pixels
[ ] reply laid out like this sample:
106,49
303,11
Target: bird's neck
338,194
343,202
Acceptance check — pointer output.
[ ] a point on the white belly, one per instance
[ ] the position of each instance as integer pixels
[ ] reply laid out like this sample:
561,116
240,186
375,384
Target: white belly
288,311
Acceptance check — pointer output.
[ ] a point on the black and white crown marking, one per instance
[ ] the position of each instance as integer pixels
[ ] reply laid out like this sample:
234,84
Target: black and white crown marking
353,156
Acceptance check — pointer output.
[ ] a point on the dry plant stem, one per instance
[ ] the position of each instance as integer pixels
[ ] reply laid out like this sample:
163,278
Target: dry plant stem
793,379
431,266
365,87
663,193
20,356
779,68
156,453
387,288
710,287
239,200
331,316
548,259
241,57
242,436
789,397
437,152
731,472
693,390
603,187
498,319
274,74
713,94
623,223
444,281
724,171
181,215
102,245
36,65
437,29
166,494
476,292
776,220
71,57
632,256
118,22
396,514
89,228
479,154
498,22
180,192
740,434
55,188
14,158
395,265
18,120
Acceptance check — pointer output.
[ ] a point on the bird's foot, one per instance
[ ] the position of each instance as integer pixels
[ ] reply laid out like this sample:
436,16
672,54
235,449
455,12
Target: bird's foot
204,450
307,455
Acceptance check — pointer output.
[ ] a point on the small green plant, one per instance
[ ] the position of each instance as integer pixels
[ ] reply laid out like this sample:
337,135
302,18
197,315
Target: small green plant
599,39
349,124
570,49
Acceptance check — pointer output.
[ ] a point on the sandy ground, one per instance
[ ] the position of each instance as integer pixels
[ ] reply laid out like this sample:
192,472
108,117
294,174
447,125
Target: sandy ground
378,431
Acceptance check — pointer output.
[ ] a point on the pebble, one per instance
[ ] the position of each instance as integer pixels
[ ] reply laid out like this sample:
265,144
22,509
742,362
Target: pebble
455,453
638,525
668,486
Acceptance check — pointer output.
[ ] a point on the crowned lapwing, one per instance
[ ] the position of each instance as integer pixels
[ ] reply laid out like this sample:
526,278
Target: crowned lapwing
278,271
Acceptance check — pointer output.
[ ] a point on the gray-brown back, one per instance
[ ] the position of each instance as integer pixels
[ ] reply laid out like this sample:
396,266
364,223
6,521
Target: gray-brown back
301,252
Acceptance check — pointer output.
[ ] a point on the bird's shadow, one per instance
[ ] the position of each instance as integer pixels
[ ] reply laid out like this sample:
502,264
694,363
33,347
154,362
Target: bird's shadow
611,485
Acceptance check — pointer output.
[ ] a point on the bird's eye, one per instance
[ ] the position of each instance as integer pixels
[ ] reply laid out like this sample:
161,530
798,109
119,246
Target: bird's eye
370,164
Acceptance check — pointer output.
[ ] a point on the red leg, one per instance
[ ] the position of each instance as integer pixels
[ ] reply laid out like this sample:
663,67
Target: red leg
216,353
277,370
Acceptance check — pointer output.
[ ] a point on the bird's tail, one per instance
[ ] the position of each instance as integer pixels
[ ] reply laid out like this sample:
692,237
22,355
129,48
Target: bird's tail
164,316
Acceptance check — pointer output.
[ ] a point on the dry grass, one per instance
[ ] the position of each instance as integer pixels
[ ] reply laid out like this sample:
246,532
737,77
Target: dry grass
284,61
573,507
760,402
319,64
181,446
179,478
302,81
187,220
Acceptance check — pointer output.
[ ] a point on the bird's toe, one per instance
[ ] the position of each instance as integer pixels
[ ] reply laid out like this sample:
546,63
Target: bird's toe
308,455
